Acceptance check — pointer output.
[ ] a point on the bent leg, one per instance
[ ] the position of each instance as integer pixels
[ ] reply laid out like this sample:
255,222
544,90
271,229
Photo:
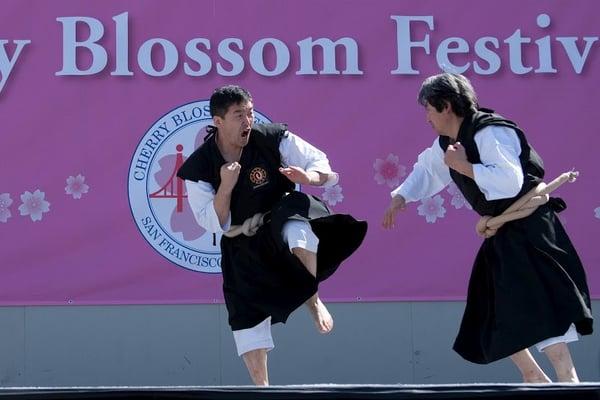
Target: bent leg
303,243
530,370
321,316
308,258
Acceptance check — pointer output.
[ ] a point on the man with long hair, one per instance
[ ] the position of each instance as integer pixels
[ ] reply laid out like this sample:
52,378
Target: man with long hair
527,286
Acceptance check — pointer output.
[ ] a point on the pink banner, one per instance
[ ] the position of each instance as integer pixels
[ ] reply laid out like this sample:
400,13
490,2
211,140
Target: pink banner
100,101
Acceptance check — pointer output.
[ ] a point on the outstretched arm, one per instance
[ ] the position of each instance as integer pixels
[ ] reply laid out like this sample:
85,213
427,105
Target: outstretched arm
304,164
302,177
429,175
389,217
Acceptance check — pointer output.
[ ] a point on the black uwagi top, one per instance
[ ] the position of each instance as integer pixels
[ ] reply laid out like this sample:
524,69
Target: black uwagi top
260,184
531,162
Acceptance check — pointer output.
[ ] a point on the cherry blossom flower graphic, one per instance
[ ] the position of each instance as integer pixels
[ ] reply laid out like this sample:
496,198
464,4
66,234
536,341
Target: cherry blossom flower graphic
597,212
389,171
431,208
76,186
333,195
458,200
34,205
5,202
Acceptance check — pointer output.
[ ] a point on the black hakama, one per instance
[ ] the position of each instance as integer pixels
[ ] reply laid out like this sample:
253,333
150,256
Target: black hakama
527,285
262,278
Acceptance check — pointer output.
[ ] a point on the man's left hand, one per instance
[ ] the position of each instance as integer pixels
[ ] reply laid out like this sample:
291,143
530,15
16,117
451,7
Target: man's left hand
456,158
298,175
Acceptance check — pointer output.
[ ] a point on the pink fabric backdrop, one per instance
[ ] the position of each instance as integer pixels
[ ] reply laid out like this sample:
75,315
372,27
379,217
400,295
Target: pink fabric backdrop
80,157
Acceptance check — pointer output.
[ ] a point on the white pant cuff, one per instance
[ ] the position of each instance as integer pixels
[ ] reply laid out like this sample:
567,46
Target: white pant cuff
256,337
569,336
262,344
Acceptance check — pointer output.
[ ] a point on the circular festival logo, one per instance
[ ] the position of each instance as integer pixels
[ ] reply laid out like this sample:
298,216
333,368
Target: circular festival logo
158,198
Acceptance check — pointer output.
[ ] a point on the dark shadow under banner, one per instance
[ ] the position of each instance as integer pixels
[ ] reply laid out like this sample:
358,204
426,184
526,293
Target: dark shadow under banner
297,392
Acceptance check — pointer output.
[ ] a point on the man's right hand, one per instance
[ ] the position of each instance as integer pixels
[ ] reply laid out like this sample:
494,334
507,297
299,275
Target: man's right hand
398,203
229,175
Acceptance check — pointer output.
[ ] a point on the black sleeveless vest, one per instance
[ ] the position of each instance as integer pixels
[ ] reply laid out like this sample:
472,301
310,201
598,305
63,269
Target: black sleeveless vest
531,163
260,184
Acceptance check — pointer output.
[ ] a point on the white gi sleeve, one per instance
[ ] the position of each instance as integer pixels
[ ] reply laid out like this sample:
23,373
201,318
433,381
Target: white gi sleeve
428,177
201,199
299,153
499,175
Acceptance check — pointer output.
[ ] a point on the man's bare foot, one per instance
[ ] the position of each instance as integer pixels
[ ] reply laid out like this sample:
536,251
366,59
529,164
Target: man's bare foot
323,320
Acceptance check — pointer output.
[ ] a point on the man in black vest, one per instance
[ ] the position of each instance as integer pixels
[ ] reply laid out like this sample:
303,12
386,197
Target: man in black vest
277,243
527,286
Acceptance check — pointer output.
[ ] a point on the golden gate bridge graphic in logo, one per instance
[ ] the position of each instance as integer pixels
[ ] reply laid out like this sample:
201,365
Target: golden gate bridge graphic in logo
174,188
158,199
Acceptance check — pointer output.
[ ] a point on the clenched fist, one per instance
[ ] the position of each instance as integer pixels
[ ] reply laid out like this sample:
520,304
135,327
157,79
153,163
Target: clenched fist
229,175
456,158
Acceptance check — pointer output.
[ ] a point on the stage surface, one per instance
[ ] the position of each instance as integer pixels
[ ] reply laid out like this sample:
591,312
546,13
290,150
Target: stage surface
588,390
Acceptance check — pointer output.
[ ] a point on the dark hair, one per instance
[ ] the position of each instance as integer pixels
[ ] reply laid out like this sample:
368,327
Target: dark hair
452,88
225,96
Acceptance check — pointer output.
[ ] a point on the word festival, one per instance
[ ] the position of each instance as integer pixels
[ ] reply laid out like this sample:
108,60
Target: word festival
271,57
